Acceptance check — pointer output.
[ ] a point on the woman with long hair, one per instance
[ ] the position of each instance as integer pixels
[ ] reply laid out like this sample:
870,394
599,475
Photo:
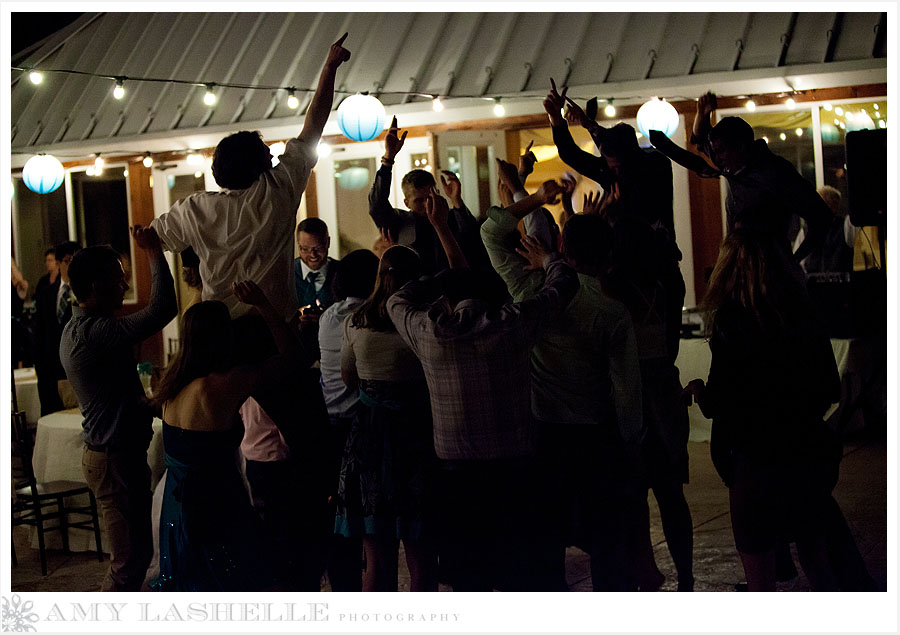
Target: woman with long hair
386,473
209,534
772,377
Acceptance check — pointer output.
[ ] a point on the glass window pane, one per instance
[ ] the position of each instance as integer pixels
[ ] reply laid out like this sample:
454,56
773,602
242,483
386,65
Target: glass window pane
789,135
101,215
352,181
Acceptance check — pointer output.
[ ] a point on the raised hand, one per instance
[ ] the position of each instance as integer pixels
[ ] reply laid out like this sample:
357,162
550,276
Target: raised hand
554,102
534,252
575,114
338,54
436,209
526,162
591,203
393,142
508,174
549,191
503,193
452,187
706,104
386,238
146,238
248,293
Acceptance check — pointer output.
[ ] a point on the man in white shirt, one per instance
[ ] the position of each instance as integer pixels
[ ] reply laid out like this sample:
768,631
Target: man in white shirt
244,232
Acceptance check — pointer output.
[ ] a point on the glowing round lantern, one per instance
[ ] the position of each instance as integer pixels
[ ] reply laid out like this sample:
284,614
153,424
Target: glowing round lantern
43,174
657,114
361,117
355,178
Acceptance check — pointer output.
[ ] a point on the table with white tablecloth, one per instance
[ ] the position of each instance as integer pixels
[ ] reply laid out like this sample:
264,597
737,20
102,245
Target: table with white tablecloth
27,395
58,448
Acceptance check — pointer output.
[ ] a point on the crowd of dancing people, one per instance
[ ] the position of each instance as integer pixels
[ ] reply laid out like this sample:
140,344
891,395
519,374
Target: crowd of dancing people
487,397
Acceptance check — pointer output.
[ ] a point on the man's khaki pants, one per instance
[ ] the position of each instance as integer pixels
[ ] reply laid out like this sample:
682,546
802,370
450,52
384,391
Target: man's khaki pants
120,481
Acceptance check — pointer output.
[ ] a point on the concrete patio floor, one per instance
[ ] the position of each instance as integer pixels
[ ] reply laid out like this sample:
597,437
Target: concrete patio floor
861,493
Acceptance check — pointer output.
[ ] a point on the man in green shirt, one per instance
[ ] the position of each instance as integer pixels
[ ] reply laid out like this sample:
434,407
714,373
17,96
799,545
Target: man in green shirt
586,394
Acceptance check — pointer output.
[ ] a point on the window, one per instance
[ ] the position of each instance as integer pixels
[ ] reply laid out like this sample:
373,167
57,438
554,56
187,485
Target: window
352,180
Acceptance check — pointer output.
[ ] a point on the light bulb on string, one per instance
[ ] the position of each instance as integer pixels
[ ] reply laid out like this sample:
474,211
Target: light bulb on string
499,109
198,174
437,105
119,90
210,97
148,160
790,103
36,77
750,105
782,136
292,101
98,165
828,107
610,110
875,106
799,132
125,173
839,111
195,158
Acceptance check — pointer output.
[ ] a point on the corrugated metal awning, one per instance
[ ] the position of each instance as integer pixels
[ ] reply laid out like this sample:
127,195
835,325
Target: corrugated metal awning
455,55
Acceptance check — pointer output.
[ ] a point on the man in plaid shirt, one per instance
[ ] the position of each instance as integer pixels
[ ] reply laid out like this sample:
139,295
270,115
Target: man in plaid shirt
475,350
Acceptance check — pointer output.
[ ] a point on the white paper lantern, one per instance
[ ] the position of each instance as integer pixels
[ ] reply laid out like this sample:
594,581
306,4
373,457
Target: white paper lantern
657,114
361,117
43,174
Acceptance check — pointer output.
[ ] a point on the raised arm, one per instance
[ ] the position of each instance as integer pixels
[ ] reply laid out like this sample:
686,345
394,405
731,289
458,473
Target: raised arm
438,215
323,99
706,105
161,308
380,208
582,162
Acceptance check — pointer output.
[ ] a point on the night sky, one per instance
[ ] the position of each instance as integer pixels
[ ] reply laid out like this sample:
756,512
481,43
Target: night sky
28,28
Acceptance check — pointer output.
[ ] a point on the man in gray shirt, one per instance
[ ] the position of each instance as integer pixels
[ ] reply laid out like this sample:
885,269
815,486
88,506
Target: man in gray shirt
97,352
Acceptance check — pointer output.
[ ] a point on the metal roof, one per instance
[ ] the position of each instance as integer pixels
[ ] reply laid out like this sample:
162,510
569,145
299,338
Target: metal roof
463,55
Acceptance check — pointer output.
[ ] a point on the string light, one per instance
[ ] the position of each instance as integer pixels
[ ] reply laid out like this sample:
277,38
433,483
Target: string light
195,158
98,165
499,109
125,172
148,160
782,136
610,110
766,139
437,105
292,101
790,103
828,107
36,77
875,106
750,105
799,132
198,174
210,97
839,111
119,90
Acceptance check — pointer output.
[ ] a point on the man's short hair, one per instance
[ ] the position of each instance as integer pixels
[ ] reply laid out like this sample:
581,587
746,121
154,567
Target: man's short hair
587,241
88,266
68,248
417,179
734,132
314,226
52,250
239,159
355,274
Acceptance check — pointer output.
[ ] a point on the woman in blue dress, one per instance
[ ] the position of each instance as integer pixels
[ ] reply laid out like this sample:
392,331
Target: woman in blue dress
209,534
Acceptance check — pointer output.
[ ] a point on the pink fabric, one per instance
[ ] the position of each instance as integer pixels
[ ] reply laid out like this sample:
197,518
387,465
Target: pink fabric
262,440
